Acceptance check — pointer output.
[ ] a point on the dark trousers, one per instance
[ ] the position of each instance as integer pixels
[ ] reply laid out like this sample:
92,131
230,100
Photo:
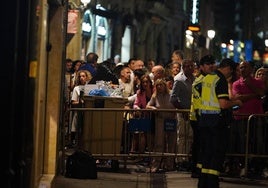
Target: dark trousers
213,147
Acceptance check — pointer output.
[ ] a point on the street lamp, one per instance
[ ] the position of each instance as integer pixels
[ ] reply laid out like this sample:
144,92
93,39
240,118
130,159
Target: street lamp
266,43
211,34
189,38
189,42
85,2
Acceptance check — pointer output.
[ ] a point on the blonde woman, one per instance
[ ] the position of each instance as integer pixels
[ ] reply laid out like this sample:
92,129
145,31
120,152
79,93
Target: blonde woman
164,141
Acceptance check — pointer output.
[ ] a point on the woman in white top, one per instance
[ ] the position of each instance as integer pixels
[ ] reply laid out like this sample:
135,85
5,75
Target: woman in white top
82,78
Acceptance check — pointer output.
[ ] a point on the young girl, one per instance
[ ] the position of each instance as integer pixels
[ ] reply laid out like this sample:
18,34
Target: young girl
143,96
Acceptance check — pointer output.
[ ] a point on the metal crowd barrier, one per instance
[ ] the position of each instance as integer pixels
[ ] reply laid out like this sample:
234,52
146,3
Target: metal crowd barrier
257,123
253,141
106,134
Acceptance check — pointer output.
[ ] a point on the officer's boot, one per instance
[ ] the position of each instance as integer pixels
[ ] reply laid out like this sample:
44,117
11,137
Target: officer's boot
202,181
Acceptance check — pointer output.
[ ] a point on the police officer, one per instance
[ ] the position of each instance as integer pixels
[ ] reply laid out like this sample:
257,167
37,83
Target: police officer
213,120
206,65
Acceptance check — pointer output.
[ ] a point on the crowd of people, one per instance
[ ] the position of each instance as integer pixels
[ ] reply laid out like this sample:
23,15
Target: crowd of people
218,95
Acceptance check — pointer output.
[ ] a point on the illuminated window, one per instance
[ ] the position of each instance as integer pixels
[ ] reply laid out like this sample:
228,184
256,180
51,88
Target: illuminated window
86,25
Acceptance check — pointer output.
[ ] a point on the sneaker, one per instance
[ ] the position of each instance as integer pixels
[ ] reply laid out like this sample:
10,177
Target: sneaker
242,172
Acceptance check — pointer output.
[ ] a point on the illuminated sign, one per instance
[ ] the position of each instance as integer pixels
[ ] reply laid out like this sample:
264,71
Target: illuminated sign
195,11
194,27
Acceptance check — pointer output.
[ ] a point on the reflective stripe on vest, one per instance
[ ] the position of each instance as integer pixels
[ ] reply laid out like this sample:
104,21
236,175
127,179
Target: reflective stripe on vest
199,165
210,171
195,99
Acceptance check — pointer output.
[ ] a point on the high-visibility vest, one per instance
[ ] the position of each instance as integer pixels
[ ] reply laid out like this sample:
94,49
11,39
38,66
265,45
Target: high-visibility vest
209,100
195,98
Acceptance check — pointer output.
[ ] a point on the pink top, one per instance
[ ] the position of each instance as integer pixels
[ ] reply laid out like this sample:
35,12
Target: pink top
140,101
252,106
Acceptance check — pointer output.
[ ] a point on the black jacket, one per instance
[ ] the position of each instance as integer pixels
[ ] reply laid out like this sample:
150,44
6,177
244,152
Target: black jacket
105,74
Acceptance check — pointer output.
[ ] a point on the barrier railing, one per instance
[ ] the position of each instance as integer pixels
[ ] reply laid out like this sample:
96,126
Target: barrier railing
259,123
248,139
106,134
126,117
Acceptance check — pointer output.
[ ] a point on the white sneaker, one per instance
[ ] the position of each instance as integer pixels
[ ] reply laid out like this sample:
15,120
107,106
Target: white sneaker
242,172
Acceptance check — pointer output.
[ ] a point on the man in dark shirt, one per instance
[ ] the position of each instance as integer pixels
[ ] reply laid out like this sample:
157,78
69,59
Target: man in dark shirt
98,71
91,63
105,74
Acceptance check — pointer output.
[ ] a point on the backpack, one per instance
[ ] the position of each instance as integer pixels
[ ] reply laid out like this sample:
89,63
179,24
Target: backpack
81,165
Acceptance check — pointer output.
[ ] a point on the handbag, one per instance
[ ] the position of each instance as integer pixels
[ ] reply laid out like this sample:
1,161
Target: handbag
170,125
81,165
140,124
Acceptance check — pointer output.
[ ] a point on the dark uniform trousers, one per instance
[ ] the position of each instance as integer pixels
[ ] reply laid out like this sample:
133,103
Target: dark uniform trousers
213,138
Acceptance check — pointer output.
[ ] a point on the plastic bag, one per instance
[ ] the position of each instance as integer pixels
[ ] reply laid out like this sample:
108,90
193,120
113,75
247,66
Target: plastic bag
98,92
